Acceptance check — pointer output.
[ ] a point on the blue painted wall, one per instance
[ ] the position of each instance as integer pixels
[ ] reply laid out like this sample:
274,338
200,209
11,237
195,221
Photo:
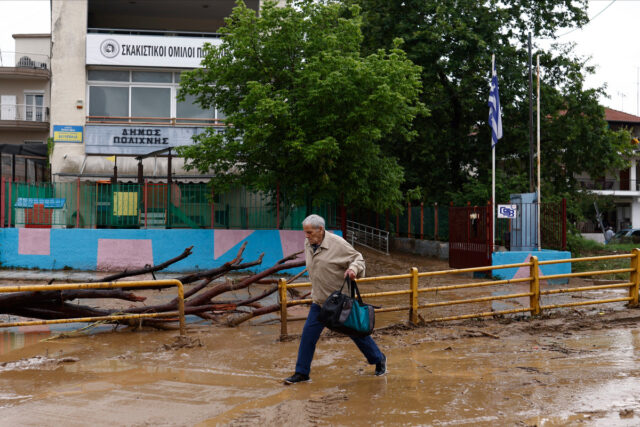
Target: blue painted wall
78,248
516,257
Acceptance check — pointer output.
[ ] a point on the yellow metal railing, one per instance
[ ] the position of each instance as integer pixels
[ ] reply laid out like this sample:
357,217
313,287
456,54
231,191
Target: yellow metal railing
101,285
534,294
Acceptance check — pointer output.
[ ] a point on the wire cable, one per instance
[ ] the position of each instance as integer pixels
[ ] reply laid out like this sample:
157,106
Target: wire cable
589,21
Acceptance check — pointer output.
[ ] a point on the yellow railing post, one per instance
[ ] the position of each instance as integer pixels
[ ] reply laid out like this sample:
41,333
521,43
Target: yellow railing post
183,327
635,278
534,287
413,312
282,288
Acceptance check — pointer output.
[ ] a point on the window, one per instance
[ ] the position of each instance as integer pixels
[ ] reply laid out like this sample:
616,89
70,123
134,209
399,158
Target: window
151,77
189,109
108,101
150,102
34,107
108,76
142,96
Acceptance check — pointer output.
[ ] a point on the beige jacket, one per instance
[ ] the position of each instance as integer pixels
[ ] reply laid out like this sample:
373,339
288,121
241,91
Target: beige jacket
329,262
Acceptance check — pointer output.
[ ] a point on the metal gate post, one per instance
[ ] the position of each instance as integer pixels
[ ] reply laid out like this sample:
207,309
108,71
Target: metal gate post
282,288
409,219
413,312
534,287
635,278
421,220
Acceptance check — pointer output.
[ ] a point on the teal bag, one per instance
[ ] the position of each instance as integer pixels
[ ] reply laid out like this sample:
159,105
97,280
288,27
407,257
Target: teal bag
359,317
348,315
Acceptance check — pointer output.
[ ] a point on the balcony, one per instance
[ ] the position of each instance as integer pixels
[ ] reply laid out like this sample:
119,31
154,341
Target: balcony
24,117
611,186
24,65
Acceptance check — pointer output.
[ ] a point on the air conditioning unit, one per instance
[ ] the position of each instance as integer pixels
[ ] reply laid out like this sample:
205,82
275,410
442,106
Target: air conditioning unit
26,62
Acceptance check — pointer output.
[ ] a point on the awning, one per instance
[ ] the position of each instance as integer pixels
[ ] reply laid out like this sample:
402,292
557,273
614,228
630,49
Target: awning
97,168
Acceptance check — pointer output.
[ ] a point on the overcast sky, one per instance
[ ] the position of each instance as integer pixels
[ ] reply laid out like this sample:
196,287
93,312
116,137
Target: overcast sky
610,39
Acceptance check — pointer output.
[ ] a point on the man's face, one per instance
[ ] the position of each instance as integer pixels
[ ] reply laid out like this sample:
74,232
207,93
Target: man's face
314,235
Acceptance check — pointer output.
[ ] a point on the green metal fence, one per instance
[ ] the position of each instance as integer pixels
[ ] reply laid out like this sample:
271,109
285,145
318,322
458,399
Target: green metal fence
150,205
417,221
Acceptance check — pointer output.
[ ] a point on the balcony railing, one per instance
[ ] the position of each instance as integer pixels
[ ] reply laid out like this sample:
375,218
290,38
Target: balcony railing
609,184
172,121
24,60
24,112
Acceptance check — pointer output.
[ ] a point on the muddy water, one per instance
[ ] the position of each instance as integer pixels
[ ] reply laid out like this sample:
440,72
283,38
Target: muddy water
567,369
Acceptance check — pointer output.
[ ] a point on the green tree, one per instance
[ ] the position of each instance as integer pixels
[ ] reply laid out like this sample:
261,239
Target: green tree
453,40
307,111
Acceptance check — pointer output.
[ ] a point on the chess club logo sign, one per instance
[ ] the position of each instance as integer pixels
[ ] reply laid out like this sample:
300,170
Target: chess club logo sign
109,48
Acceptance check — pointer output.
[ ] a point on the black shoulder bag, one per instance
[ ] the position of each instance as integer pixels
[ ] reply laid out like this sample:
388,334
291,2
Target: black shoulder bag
348,315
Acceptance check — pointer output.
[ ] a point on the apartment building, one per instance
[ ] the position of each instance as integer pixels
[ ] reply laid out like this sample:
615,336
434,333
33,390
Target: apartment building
25,77
116,69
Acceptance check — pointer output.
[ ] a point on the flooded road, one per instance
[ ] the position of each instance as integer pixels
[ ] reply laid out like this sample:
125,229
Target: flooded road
572,367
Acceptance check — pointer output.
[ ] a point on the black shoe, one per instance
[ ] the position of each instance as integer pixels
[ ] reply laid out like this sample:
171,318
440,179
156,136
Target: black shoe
381,367
297,378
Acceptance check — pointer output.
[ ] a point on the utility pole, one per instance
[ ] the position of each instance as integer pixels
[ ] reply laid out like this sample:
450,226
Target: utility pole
531,187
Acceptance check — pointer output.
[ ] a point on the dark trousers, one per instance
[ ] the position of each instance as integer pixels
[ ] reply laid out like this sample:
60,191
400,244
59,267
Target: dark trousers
311,334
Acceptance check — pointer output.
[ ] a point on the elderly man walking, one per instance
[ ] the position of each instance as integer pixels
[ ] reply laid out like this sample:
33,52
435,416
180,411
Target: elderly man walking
330,259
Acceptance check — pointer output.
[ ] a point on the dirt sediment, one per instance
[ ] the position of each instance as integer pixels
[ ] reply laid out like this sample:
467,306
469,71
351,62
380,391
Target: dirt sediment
570,366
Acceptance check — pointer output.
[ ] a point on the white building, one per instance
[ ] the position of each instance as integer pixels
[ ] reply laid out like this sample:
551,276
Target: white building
623,186
24,108
116,67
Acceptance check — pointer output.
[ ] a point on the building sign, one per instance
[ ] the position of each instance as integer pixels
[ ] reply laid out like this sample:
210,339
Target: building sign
507,211
136,140
67,133
146,51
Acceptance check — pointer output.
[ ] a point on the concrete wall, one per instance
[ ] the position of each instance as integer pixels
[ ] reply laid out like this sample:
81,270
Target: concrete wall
39,46
114,250
68,79
17,87
420,247
517,257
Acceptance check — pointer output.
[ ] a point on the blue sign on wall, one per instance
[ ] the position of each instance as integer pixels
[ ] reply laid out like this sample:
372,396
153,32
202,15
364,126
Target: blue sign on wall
67,133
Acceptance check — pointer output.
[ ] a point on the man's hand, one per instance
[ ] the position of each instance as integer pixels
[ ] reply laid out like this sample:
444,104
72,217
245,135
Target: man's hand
350,273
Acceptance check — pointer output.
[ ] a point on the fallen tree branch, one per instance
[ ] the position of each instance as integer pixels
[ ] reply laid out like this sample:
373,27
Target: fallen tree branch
225,287
145,270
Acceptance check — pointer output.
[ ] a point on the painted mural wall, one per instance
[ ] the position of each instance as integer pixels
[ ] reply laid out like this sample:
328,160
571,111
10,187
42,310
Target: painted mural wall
517,257
117,249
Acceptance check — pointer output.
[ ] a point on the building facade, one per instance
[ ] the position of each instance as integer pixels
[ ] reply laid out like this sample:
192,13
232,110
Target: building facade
623,185
25,78
116,69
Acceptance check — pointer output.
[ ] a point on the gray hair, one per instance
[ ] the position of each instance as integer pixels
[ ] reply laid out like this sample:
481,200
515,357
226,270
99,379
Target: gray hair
316,221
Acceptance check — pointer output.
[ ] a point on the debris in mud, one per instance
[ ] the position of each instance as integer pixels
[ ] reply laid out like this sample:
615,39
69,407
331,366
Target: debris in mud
532,370
626,413
68,360
200,300
478,334
36,362
183,341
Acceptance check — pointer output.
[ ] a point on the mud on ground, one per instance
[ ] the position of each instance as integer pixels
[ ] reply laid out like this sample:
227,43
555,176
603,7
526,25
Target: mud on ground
571,367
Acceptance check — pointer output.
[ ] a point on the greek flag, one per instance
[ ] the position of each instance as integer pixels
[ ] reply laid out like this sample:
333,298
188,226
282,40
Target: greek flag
495,114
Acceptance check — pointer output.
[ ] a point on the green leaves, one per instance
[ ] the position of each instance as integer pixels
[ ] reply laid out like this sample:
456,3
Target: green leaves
452,41
307,111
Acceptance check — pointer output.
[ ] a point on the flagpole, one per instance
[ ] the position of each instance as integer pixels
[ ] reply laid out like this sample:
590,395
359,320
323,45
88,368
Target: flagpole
493,176
538,146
